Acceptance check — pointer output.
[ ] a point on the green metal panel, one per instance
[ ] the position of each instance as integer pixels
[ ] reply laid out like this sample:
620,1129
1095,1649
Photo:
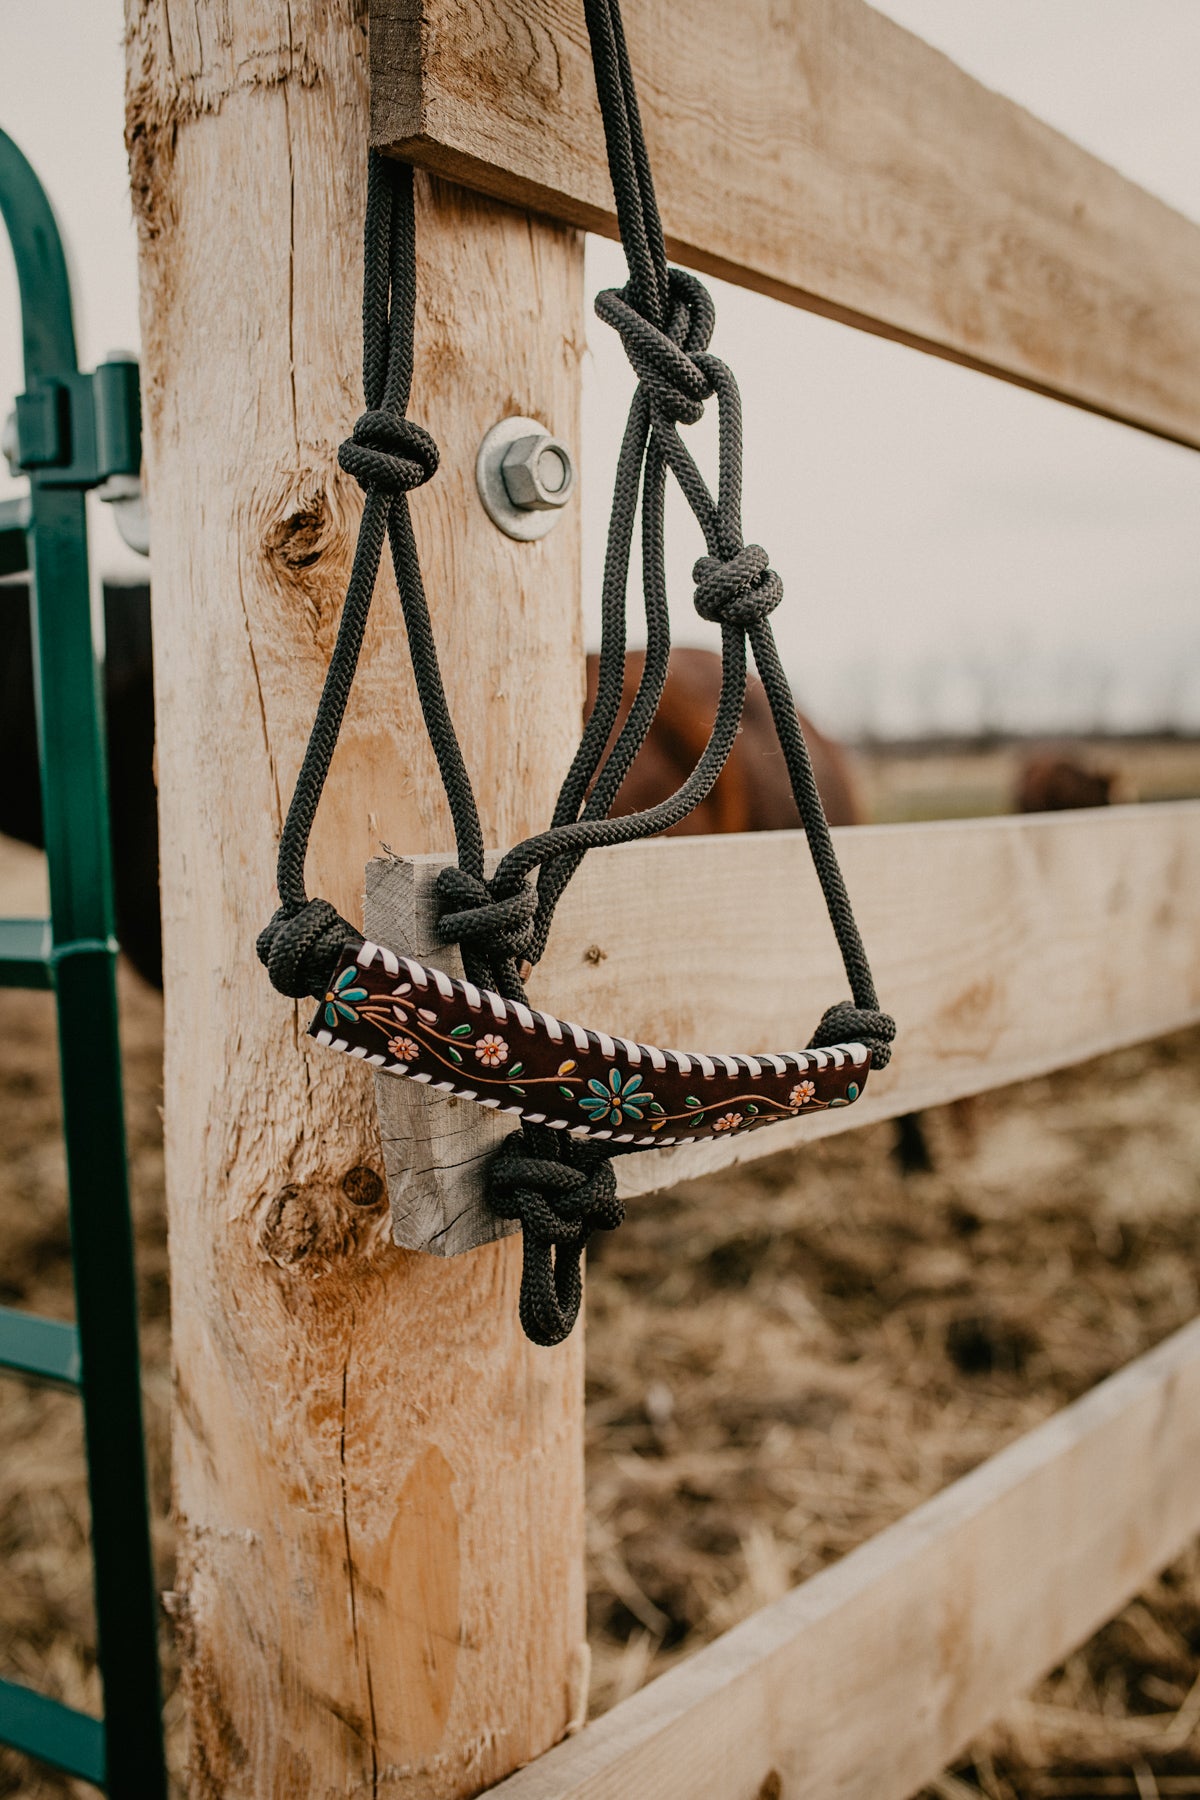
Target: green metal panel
57,1734
47,328
42,1347
26,958
74,430
106,1311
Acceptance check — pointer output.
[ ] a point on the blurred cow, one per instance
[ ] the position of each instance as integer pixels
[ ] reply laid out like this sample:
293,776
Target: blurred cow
1059,781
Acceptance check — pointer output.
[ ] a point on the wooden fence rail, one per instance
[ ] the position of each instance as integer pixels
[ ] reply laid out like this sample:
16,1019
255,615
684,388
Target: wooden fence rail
1006,947
867,1680
818,152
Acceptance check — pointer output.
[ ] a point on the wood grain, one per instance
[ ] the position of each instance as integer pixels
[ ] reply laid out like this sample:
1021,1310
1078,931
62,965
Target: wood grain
433,1144
367,1451
867,1680
1004,947
821,154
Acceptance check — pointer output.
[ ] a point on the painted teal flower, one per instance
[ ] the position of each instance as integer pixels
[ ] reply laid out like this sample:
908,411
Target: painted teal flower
623,1098
343,997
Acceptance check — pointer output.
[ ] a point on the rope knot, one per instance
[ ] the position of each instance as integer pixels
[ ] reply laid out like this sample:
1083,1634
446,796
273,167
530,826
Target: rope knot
388,454
301,948
742,589
559,1205
664,358
495,927
846,1023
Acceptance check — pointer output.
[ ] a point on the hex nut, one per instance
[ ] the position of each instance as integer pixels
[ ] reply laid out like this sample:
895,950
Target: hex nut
519,456
537,472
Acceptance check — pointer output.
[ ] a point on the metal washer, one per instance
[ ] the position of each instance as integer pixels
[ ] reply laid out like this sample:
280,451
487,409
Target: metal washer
515,521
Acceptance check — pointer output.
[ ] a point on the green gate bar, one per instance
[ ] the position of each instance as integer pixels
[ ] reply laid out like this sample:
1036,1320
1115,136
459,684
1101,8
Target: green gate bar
73,431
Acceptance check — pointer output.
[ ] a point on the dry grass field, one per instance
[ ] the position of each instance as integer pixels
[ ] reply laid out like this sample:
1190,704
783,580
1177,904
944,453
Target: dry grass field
779,1364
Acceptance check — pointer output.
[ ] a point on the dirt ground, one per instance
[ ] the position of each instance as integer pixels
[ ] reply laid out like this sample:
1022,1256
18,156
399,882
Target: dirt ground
779,1364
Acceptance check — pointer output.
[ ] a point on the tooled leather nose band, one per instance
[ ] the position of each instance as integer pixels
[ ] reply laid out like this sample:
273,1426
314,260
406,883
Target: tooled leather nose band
407,1018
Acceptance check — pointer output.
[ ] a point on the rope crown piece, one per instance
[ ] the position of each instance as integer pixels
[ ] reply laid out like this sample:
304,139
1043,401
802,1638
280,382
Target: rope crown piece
478,1037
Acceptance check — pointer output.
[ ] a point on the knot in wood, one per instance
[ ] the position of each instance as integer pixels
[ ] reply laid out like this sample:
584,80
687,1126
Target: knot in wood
363,1187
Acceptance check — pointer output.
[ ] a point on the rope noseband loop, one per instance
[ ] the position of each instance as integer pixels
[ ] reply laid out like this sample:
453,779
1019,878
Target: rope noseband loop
559,1203
387,454
497,926
845,1023
300,948
495,931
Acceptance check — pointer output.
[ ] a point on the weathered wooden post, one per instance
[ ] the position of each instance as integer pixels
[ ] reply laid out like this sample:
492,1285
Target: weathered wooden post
378,1480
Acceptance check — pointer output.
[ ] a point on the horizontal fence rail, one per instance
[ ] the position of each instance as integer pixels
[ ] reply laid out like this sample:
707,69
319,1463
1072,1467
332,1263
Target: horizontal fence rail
867,1680
822,154
1005,948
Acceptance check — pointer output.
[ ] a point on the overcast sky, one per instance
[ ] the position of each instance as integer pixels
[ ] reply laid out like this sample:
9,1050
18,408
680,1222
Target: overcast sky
948,543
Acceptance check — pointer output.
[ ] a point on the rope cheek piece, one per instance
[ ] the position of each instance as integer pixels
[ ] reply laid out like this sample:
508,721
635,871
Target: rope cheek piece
582,1096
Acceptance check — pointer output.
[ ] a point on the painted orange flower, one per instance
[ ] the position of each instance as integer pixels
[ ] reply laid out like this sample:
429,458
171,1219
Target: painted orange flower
802,1093
730,1122
491,1050
403,1049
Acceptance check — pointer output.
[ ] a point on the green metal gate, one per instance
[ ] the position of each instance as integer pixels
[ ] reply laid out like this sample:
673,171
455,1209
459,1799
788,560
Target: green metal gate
74,431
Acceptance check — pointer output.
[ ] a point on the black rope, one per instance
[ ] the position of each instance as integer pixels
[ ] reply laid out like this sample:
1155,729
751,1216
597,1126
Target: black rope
561,1189
388,455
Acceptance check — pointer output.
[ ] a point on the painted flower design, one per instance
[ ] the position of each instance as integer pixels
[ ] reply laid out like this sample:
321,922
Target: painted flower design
729,1122
343,998
621,1098
400,1002
802,1093
491,1050
403,1049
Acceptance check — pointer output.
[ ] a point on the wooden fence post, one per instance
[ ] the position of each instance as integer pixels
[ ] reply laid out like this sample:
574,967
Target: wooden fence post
378,1481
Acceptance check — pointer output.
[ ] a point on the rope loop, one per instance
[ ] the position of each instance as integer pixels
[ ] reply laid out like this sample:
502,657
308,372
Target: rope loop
558,1204
664,359
388,454
742,589
496,927
845,1023
301,947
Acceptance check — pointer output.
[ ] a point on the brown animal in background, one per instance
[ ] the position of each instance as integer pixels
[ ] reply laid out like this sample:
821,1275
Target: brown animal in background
1054,781
753,792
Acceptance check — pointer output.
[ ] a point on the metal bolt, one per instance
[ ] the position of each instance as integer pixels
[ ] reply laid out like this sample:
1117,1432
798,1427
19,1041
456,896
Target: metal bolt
537,473
524,476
